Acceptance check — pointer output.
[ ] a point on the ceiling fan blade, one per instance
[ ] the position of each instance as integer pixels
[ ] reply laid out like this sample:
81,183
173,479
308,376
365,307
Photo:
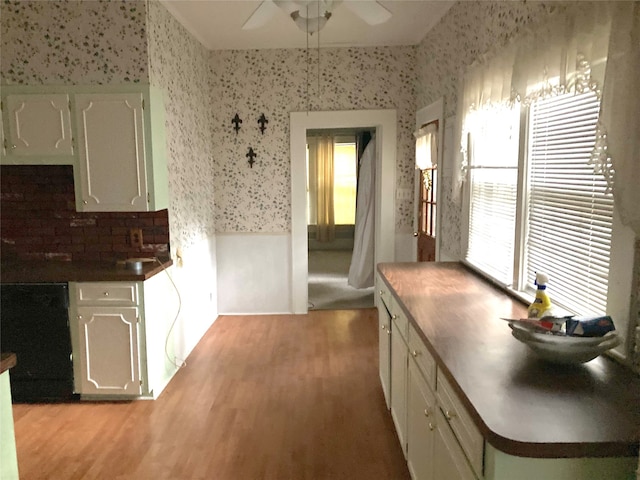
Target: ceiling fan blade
288,6
374,13
261,15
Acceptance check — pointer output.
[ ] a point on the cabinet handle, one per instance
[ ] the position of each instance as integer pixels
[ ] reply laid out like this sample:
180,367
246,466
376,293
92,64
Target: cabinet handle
13,147
449,415
415,353
431,426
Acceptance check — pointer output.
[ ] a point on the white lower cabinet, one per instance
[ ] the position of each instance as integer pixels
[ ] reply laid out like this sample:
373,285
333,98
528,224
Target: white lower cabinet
384,350
109,350
119,338
421,424
449,461
399,358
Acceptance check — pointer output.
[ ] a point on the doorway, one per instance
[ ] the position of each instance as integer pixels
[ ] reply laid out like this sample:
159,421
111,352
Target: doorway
339,171
384,122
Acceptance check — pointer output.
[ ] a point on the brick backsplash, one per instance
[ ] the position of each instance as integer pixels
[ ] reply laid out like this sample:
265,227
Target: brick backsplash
38,220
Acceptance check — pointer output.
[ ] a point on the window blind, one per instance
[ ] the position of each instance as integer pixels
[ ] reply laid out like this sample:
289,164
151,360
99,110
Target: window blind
569,210
493,155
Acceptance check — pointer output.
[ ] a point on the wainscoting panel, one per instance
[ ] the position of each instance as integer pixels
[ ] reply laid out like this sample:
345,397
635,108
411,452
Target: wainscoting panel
254,273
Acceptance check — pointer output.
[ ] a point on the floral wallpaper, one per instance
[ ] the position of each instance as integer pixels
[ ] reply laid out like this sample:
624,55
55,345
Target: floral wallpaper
274,82
56,42
178,64
465,33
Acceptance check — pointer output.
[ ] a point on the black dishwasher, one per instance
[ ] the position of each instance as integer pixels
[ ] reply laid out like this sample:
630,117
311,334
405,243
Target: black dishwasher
35,326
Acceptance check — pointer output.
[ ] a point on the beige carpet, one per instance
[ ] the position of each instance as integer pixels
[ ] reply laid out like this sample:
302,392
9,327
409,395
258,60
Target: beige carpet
328,288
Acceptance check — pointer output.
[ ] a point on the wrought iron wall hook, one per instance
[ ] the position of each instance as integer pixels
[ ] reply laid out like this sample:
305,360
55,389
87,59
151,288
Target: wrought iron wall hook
251,155
262,121
236,123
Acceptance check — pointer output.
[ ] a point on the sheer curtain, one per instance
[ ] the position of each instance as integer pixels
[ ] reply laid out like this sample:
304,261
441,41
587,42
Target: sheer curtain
361,270
326,229
589,46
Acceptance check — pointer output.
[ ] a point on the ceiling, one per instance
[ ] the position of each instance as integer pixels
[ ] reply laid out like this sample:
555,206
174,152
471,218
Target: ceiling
217,24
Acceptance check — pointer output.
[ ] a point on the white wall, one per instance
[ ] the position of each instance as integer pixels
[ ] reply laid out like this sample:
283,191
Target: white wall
254,273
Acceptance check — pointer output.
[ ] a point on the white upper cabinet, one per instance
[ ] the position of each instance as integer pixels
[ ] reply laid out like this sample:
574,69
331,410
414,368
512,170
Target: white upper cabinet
38,129
111,167
113,136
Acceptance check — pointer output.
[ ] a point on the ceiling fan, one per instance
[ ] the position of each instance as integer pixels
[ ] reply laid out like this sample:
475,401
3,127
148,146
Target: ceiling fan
312,15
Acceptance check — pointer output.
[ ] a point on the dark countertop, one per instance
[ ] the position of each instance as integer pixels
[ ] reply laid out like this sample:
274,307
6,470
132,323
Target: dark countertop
85,271
521,404
7,361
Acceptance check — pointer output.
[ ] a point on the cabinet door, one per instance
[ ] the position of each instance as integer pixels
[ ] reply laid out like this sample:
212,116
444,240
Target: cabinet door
399,357
421,406
112,167
109,354
384,347
38,125
449,460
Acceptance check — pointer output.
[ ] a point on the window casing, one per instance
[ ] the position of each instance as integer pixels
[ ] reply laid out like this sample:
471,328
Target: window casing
538,206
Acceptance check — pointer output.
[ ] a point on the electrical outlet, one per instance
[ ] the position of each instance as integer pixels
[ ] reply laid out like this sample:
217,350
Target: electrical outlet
135,235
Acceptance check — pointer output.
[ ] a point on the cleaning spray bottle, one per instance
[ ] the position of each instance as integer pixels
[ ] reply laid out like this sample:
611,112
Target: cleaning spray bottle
541,305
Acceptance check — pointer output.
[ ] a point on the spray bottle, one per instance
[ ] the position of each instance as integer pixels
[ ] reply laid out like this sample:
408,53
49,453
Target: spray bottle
541,305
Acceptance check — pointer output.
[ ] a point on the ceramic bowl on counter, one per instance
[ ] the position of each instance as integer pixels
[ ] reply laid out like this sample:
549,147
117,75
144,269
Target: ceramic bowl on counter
564,349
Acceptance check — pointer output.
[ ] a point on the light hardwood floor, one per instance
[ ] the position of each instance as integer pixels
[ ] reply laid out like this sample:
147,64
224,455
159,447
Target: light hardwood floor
261,397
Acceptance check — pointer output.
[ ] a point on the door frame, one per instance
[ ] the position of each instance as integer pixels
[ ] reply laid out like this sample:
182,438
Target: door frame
434,111
385,124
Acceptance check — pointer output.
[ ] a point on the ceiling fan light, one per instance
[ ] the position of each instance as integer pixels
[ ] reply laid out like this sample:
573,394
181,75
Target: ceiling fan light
312,24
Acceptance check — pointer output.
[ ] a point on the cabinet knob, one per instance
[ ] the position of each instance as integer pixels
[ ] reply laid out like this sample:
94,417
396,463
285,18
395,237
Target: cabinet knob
384,327
431,426
106,294
415,353
380,292
449,415
79,317
394,316
85,202
426,412
13,147
415,234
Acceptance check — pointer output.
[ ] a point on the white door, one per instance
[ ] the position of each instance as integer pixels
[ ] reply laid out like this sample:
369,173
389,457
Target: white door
109,353
111,143
39,125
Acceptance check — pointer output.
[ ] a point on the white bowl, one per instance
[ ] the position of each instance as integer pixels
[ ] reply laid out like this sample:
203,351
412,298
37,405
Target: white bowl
564,349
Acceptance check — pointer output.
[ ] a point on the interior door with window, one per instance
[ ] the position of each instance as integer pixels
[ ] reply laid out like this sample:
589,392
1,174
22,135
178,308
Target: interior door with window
427,215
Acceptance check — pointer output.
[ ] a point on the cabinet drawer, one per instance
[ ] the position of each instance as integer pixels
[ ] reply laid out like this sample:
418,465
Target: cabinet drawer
103,293
383,293
460,421
401,324
422,356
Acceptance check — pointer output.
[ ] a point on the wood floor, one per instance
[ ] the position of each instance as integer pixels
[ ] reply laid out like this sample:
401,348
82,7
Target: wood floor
262,397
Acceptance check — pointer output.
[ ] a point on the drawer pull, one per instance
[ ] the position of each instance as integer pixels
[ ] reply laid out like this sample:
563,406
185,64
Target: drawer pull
431,426
449,415
415,353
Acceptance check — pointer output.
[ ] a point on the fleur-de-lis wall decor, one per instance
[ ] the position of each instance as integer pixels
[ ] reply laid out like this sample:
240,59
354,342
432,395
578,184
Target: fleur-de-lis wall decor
251,155
236,123
263,121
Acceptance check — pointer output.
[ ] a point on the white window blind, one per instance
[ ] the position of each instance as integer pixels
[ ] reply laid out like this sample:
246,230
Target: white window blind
569,211
493,164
